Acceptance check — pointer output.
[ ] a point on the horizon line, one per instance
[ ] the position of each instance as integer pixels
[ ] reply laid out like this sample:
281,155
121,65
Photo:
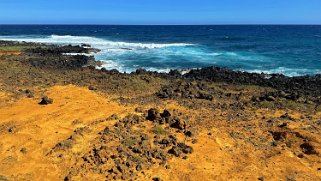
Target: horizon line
231,24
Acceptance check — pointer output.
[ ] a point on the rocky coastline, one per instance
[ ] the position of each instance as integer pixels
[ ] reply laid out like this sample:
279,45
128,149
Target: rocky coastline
56,57
59,111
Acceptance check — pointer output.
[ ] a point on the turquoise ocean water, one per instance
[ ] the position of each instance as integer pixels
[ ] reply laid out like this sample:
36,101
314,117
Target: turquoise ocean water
290,50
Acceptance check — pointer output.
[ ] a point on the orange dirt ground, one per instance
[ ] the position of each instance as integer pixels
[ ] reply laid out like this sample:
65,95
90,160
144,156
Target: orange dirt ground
10,53
35,129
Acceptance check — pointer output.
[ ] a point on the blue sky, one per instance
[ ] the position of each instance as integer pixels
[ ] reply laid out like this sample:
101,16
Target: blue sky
160,12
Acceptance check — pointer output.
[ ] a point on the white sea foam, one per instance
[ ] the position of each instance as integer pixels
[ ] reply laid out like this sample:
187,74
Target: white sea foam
94,42
110,50
292,72
120,55
110,64
86,54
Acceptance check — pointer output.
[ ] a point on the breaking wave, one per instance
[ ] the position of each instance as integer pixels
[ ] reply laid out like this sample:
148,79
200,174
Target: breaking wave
129,56
94,42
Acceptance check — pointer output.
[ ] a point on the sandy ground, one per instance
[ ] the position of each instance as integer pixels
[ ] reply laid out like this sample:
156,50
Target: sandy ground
10,53
38,128
29,131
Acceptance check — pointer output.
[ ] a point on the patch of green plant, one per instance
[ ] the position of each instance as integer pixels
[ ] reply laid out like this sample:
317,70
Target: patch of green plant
16,48
266,104
3,178
297,105
158,130
318,108
12,48
140,83
138,132
137,159
292,104
129,142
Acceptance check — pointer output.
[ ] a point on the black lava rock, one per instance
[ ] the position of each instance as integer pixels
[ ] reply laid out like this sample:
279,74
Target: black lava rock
152,114
45,101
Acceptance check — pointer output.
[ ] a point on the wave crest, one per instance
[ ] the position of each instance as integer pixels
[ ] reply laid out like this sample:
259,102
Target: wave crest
94,42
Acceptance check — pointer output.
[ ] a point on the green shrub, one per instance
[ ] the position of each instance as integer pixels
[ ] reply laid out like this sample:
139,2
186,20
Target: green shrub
129,142
266,104
158,130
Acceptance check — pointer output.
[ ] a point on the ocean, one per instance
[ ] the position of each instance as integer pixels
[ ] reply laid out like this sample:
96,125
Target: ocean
290,50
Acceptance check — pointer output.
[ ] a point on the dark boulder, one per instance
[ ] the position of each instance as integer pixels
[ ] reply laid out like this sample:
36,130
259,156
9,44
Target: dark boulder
179,124
91,87
286,116
45,101
189,133
308,148
139,167
165,114
185,148
279,136
152,114
165,142
85,45
157,179
175,150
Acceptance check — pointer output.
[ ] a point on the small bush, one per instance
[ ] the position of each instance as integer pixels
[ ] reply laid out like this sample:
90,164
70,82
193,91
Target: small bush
266,104
158,130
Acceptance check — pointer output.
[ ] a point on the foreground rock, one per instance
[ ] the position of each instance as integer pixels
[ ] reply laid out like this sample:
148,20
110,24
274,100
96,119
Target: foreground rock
136,151
45,101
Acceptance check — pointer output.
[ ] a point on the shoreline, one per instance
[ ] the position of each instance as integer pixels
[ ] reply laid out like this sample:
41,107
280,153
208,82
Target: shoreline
82,56
236,59
78,55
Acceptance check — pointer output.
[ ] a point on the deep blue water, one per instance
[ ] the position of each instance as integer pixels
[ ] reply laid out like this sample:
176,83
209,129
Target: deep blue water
291,50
